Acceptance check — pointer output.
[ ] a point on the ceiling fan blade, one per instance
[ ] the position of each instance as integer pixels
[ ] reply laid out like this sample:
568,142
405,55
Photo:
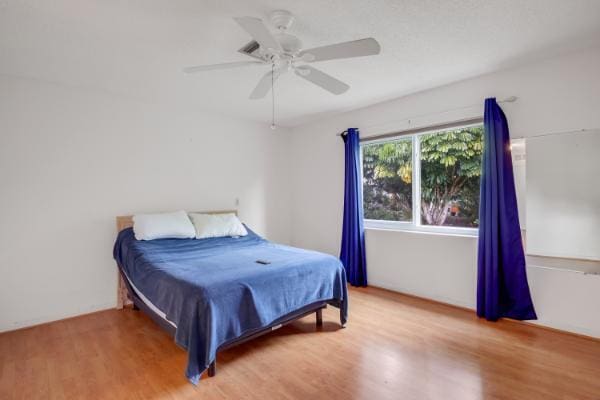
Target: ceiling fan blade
356,48
259,32
264,85
211,67
321,79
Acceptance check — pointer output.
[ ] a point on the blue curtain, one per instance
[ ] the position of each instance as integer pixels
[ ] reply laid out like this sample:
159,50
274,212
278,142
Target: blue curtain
502,289
352,254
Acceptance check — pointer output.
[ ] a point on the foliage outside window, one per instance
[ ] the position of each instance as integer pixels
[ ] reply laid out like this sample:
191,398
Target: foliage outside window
387,177
441,190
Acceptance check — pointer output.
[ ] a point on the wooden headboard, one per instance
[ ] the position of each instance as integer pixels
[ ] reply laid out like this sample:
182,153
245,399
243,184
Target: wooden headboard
126,221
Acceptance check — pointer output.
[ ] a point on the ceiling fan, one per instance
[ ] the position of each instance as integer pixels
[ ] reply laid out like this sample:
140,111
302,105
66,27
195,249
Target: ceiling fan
283,52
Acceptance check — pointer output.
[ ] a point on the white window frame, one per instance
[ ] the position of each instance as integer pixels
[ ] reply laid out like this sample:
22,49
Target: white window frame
415,225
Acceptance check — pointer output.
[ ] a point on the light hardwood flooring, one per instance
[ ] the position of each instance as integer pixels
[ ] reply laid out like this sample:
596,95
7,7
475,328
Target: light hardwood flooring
394,347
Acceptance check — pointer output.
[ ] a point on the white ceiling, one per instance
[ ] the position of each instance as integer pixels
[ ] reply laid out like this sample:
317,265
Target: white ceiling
137,48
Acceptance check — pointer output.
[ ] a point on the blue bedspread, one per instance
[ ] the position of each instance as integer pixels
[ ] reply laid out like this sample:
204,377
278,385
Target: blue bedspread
214,291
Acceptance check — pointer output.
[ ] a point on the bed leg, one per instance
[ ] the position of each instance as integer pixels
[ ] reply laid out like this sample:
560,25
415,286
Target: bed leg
212,368
319,315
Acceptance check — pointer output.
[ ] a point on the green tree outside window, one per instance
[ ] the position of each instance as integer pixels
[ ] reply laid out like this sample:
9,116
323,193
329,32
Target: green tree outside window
450,164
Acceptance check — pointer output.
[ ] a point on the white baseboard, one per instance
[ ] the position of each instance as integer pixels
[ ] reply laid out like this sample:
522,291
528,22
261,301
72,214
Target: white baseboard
14,325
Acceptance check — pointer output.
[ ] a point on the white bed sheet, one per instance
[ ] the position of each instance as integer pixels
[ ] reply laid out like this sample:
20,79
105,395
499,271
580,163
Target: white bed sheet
149,303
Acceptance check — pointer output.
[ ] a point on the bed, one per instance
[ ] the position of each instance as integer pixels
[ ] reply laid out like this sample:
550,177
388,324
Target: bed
212,294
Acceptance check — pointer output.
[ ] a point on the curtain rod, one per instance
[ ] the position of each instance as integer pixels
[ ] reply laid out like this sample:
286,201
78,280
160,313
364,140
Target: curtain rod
510,99
429,128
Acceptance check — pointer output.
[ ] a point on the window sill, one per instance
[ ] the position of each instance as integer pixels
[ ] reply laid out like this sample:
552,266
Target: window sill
428,230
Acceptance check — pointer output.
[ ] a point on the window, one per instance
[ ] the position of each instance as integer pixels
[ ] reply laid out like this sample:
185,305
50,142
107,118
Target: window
426,181
387,180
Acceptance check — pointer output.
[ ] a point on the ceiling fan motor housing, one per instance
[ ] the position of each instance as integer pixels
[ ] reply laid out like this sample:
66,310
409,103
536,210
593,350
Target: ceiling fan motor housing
282,19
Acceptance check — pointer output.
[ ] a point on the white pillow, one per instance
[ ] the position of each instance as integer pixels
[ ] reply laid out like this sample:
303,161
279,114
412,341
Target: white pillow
174,225
217,225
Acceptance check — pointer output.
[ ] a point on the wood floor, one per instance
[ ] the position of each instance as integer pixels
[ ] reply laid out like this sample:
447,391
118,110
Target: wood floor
394,347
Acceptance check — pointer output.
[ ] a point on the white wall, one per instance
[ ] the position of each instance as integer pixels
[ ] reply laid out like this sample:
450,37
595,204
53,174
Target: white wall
558,94
71,160
563,195
439,267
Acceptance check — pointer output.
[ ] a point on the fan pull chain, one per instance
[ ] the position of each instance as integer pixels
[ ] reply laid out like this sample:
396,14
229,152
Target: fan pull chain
273,96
